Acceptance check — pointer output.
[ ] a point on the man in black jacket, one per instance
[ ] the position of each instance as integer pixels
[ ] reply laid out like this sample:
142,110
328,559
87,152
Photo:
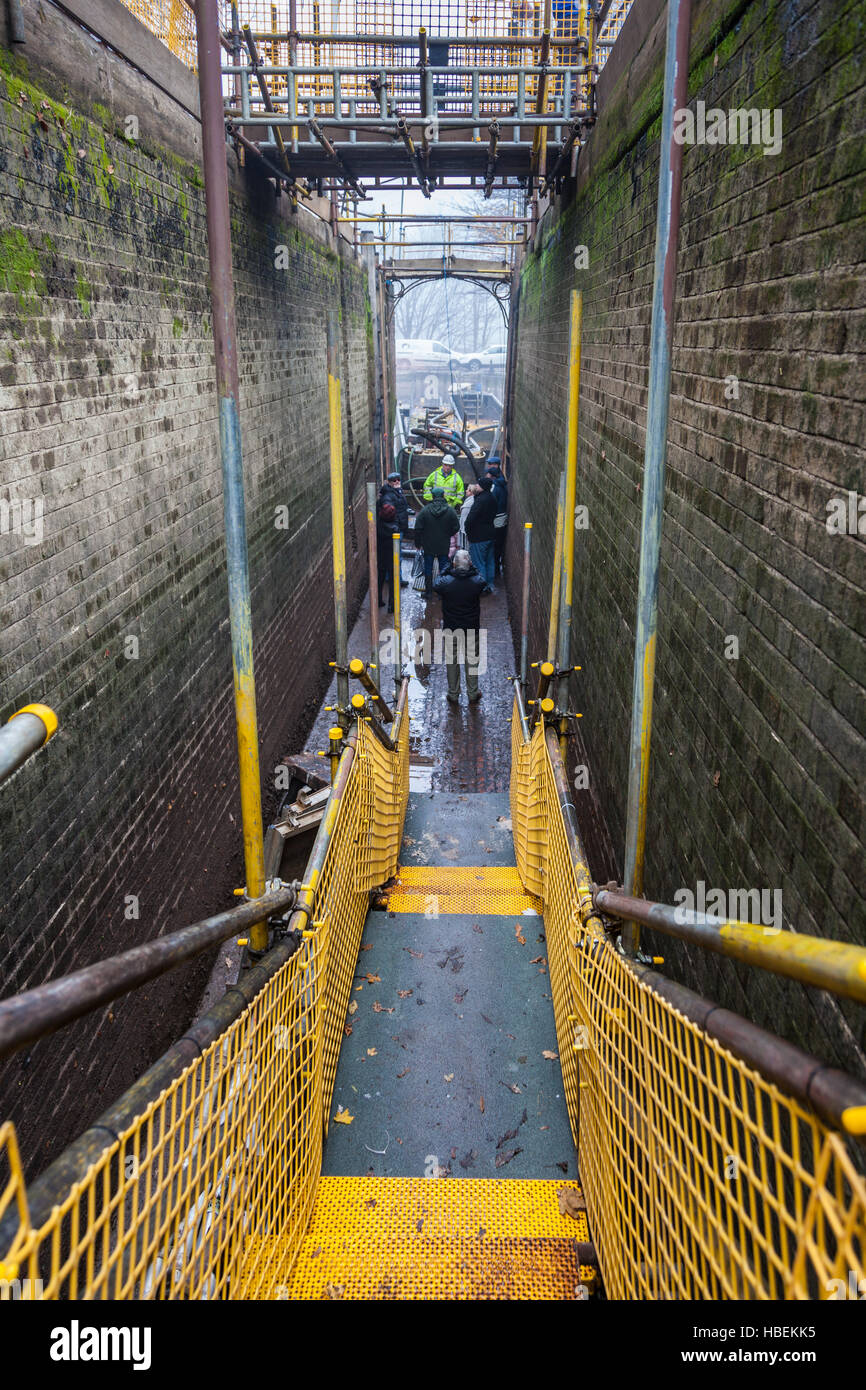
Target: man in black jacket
391,494
435,524
460,589
480,532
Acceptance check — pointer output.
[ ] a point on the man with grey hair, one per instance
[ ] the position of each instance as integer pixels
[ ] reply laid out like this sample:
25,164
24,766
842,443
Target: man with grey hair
460,588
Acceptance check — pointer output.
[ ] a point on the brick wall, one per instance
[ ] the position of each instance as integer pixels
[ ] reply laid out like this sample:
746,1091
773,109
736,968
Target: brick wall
107,416
757,763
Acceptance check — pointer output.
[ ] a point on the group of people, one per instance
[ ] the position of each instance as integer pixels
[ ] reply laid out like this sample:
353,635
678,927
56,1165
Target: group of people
463,530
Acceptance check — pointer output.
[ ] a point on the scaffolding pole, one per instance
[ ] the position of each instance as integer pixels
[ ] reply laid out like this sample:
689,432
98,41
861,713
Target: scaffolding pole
676,95
338,520
225,352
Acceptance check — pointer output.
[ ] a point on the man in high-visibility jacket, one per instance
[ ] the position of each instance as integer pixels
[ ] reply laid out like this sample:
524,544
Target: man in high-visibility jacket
450,481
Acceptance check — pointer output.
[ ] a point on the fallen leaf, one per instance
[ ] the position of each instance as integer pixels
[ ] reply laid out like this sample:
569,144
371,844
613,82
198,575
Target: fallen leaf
551,1056
521,939
380,1009
486,1019
343,1117
368,946
461,995
506,1157
511,1134
563,1166
334,1291
717,777
481,1105
404,993
371,1051
449,1076
400,1075
571,1202
419,955
353,1007
370,1202
347,1030
511,1086
538,960
475,927
374,979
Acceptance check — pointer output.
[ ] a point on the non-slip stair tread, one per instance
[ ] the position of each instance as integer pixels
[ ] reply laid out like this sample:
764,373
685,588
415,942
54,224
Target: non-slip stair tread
414,1238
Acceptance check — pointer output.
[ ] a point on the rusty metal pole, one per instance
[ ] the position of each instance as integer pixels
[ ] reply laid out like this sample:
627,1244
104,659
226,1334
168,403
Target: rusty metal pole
338,518
226,354
373,574
556,581
524,609
676,95
575,329
396,541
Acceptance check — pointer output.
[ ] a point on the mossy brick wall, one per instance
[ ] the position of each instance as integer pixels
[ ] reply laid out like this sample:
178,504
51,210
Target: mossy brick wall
758,763
108,416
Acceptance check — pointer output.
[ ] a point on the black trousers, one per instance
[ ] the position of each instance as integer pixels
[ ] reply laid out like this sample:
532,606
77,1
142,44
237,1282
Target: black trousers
385,567
499,538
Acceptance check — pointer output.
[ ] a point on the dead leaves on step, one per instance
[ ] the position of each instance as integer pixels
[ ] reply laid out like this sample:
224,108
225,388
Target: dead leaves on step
571,1202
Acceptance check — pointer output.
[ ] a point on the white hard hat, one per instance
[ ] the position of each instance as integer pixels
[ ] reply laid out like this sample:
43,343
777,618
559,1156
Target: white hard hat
448,458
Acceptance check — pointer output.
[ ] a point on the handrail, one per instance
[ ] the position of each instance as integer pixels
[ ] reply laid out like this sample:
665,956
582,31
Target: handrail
832,965
835,1096
27,730
34,1013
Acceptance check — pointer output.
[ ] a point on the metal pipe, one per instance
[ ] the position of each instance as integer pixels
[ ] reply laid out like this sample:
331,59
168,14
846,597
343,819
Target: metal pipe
411,40
335,747
388,125
338,518
569,817
661,340
37,1012
546,671
373,573
521,711
53,1185
228,394
437,218
556,581
28,729
265,94
359,706
252,148
539,143
565,602
360,672
395,592
839,1099
832,965
524,607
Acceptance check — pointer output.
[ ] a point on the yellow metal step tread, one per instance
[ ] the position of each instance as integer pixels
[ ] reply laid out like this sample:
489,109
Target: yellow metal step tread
451,888
420,1238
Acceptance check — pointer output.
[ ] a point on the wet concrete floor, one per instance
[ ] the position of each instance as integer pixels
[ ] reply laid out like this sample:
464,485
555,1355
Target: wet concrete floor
454,1081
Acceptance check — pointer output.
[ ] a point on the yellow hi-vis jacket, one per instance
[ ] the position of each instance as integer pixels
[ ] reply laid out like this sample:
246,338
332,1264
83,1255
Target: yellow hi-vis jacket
452,483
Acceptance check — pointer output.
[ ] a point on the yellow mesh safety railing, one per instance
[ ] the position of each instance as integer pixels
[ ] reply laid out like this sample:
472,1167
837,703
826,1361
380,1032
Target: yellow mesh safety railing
172,21
703,1180
209,1191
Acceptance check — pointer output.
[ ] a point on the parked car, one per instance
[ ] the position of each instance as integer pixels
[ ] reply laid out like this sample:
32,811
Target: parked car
421,354
487,357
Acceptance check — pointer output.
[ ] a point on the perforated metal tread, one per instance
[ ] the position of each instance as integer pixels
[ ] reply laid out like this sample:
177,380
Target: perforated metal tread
454,1239
462,889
